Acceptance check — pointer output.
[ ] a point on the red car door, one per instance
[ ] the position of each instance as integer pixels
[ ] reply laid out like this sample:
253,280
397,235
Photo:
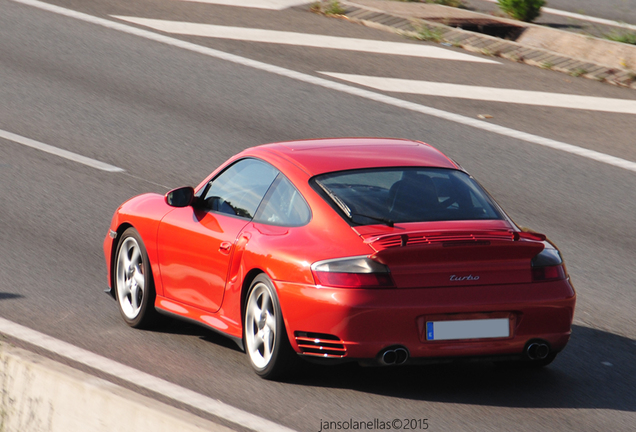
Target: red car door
194,255
195,243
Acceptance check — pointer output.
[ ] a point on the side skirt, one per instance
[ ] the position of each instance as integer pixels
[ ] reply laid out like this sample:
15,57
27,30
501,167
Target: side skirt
237,340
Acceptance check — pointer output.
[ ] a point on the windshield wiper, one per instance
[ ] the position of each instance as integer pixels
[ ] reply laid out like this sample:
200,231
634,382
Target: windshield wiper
345,209
387,222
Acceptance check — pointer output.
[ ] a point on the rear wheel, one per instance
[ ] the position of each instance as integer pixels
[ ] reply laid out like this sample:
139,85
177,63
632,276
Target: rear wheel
134,286
265,337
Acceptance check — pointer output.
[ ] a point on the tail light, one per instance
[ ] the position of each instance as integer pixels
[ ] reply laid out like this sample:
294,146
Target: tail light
548,265
352,272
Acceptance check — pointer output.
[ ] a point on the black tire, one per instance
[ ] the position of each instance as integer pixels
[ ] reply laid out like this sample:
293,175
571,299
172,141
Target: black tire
133,281
264,335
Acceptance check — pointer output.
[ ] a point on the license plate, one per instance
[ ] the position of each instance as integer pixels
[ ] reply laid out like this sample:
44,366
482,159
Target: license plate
468,329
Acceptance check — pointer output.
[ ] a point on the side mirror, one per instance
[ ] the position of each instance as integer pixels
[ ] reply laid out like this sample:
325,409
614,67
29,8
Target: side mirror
180,197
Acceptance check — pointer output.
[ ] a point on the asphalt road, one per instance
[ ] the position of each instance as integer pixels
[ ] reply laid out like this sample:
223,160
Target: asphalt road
617,10
623,11
168,117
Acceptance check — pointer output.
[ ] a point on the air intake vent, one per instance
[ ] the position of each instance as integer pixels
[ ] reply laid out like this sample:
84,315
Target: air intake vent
320,344
447,238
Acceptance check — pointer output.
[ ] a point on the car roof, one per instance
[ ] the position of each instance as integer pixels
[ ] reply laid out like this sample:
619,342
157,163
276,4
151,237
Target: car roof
338,154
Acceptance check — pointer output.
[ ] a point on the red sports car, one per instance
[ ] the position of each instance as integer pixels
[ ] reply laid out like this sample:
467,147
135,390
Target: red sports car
379,251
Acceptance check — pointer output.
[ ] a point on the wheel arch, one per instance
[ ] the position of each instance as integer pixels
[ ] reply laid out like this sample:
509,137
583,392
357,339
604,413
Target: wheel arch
245,287
143,315
247,282
113,251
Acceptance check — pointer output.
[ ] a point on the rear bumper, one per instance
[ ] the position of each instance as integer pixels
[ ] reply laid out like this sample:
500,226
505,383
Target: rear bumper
359,324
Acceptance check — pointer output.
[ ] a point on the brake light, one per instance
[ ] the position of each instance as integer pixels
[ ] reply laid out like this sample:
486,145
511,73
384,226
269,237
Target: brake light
353,272
548,265
548,273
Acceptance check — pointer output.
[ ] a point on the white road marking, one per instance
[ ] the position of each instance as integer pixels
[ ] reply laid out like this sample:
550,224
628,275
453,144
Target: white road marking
491,94
583,17
59,152
606,363
331,85
256,4
140,379
303,39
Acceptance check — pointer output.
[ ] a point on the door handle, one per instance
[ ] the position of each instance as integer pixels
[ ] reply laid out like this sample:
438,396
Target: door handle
225,247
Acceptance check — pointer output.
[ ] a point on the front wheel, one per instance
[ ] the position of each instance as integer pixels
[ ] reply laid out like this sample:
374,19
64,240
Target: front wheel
134,287
265,337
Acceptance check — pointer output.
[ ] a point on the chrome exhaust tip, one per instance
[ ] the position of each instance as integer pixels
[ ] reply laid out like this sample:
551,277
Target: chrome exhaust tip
531,351
394,356
389,357
542,351
537,351
401,356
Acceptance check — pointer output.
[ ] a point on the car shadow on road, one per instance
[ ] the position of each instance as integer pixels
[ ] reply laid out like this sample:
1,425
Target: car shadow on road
596,370
170,325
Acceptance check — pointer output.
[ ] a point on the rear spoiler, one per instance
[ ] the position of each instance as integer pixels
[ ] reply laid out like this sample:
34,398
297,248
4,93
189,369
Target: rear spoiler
451,238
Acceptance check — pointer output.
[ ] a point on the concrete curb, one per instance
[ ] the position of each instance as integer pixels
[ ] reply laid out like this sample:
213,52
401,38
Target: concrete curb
492,46
39,394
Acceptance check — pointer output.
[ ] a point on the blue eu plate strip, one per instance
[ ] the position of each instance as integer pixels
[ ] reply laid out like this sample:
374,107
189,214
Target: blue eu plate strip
430,334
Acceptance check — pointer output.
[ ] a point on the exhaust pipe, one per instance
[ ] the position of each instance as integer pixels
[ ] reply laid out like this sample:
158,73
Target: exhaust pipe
394,356
388,357
401,356
537,351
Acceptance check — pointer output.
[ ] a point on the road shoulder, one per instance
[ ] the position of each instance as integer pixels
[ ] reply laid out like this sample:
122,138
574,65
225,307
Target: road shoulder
41,394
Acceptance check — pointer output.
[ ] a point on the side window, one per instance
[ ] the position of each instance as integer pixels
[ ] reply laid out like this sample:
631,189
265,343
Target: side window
283,206
240,189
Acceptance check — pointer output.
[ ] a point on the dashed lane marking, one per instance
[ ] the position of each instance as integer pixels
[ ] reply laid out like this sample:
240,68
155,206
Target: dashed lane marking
58,152
491,94
303,39
339,87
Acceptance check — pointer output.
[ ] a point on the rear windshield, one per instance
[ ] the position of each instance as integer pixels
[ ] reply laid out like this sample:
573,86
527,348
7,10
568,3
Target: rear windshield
396,195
